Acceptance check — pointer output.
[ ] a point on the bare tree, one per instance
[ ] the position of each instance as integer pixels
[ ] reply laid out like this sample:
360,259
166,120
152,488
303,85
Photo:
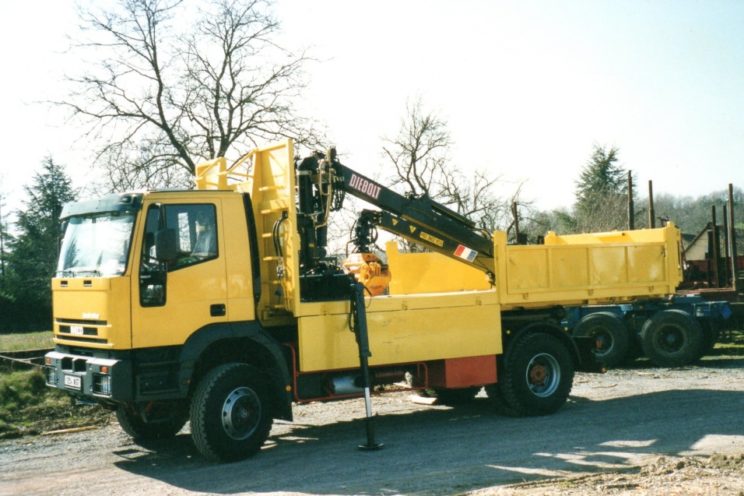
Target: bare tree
420,156
163,93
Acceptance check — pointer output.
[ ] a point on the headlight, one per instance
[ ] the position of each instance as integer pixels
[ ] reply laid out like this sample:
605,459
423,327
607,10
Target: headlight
102,384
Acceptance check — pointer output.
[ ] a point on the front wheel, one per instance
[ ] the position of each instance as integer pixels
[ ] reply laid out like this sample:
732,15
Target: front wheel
230,413
537,375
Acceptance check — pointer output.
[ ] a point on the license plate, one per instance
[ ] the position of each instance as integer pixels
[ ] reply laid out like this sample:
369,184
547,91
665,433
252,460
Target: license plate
76,330
73,381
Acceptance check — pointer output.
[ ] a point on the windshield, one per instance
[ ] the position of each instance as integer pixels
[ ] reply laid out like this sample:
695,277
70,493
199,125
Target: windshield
96,245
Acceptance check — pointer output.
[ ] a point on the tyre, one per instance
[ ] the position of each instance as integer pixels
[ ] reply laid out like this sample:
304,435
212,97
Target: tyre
230,412
537,375
454,397
672,338
165,421
611,340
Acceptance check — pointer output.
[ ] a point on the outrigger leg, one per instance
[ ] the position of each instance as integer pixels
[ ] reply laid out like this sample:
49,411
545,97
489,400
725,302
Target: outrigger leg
359,316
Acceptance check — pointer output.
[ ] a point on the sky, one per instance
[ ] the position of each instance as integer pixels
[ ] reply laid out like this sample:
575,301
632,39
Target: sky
527,88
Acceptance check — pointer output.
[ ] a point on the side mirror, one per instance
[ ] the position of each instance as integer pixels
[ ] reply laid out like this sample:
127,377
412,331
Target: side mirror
166,245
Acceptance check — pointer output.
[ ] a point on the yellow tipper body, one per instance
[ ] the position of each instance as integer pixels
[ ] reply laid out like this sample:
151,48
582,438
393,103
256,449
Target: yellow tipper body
566,270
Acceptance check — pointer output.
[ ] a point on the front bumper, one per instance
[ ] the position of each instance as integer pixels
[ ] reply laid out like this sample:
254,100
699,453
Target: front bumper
96,378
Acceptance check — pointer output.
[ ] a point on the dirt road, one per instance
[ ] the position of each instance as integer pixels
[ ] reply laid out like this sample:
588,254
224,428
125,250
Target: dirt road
622,419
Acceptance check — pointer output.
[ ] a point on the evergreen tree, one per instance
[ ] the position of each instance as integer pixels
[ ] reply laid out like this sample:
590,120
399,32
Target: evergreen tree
4,243
32,260
601,192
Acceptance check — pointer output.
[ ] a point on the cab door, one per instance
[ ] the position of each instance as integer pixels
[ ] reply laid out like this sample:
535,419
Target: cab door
176,296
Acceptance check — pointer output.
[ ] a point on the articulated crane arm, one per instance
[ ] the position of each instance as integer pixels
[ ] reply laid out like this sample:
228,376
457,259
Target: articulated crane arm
323,182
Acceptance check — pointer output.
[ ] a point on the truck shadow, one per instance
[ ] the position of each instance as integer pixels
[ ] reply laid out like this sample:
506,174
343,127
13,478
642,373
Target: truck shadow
443,451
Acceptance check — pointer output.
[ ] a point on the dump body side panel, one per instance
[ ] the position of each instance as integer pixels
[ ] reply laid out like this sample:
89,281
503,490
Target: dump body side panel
402,330
567,270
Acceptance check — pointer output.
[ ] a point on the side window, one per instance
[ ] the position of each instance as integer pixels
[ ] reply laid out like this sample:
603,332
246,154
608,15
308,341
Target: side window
195,230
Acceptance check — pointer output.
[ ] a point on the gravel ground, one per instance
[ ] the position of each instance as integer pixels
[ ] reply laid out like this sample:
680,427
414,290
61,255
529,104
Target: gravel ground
638,430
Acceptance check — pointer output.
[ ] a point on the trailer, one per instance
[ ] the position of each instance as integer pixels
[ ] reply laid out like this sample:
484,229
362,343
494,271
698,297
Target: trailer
671,332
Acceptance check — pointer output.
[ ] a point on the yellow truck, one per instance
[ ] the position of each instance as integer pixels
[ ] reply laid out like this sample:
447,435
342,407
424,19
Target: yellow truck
219,305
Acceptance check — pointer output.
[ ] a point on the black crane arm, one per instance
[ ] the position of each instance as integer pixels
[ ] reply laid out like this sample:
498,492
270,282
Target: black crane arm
324,180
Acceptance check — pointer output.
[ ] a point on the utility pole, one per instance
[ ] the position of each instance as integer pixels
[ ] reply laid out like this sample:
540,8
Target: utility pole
714,249
631,208
651,211
732,240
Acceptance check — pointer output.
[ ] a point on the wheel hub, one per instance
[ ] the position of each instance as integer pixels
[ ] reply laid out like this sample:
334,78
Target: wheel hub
241,413
671,339
603,342
543,375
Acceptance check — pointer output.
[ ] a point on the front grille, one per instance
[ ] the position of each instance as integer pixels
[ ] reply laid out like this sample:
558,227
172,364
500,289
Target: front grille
82,322
87,331
81,330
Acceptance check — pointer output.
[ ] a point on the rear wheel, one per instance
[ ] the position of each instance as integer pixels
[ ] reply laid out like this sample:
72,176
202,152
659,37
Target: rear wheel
611,341
537,375
230,413
163,421
672,338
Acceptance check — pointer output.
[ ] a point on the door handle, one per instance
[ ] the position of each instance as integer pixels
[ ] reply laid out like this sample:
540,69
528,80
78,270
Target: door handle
218,310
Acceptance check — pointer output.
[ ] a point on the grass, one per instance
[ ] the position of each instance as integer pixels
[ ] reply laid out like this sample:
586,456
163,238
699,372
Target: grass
22,341
730,343
28,406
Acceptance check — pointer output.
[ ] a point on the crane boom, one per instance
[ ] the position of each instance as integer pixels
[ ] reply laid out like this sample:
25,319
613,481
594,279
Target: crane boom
324,181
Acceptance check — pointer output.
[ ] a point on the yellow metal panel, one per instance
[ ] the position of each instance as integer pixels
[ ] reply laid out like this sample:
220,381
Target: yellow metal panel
102,303
527,268
401,336
273,196
607,266
393,303
212,174
430,273
570,267
647,264
240,305
190,293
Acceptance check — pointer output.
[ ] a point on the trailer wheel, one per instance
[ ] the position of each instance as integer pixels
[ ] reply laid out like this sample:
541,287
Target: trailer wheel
672,338
611,340
537,376
230,413
141,430
454,397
